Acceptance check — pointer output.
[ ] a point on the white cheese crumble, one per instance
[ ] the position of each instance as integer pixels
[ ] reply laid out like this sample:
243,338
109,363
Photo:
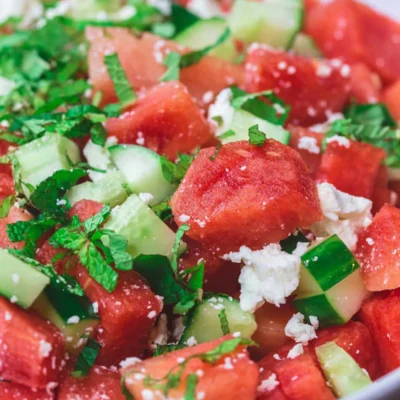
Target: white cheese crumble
44,348
204,8
268,274
146,197
184,218
95,306
73,320
221,109
28,10
6,86
268,385
340,140
344,215
295,351
298,330
191,341
310,144
129,361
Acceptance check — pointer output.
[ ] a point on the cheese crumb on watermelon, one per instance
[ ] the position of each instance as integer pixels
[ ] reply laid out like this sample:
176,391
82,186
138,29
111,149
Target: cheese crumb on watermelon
298,330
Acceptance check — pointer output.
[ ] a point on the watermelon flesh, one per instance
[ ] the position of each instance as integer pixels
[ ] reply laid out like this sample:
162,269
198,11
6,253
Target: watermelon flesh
32,349
351,167
246,196
15,214
313,88
390,98
378,250
142,60
381,314
13,391
166,120
381,194
233,375
101,383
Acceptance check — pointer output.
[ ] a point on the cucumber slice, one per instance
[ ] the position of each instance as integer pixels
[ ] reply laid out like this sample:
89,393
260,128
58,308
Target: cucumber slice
109,190
205,33
331,287
144,231
340,369
241,122
73,315
272,22
204,324
141,169
42,157
19,281
305,46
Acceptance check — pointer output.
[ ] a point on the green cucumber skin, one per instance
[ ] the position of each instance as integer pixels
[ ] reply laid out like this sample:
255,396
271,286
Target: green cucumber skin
202,322
322,261
341,370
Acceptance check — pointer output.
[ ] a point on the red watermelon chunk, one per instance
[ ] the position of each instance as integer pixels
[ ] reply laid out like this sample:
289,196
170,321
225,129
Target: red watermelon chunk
312,88
142,60
16,214
365,84
13,391
308,144
85,209
391,97
350,166
247,195
4,146
31,350
378,250
274,394
381,314
101,383
6,184
166,120
381,193
233,375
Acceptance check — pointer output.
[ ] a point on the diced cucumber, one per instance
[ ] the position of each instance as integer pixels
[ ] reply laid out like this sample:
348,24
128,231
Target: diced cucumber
141,169
42,157
204,324
205,33
272,22
340,369
19,281
144,231
73,315
243,120
331,287
305,46
108,190
99,157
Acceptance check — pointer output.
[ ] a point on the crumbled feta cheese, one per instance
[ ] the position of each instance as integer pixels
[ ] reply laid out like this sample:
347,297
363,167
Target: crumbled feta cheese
344,215
146,197
73,320
323,71
61,202
13,299
314,321
147,394
310,144
15,278
269,275
298,330
151,314
6,86
44,348
7,316
129,361
370,241
204,8
160,332
221,108
184,218
28,10
191,341
325,126
268,385
340,140
208,96
295,351
95,306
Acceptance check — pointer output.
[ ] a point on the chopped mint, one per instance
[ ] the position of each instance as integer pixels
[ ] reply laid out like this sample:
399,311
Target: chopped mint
256,137
226,134
86,359
6,205
224,322
172,61
216,152
175,172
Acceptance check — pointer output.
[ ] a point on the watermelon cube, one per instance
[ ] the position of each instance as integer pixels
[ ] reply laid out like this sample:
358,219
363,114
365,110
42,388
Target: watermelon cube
350,166
365,84
101,383
390,97
378,250
233,376
381,194
312,88
31,350
274,394
13,391
166,120
381,314
246,196
15,214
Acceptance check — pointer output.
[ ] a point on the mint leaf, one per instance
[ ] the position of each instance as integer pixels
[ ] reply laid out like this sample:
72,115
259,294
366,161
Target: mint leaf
86,359
224,322
168,348
216,152
122,86
177,243
191,383
182,18
175,172
226,134
71,239
256,137
163,210
172,61
6,205
290,243
93,223
370,114
98,134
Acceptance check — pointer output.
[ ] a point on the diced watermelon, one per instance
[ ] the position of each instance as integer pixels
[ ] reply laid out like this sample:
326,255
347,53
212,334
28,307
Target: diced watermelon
381,314
13,391
233,375
6,184
247,195
4,146
381,193
101,383
351,167
378,250
45,254
365,84
308,144
210,74
313,88
275,394
85,209
166,120
32,349
16,214
391,97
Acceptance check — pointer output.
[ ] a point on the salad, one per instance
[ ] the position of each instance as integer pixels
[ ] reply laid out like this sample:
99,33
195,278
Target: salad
198,200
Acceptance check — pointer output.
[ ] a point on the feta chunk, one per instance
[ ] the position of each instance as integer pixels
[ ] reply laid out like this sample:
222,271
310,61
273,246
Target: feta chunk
223,110
268,385
268,274
295,351
298,330
28,10
310,144
344,215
